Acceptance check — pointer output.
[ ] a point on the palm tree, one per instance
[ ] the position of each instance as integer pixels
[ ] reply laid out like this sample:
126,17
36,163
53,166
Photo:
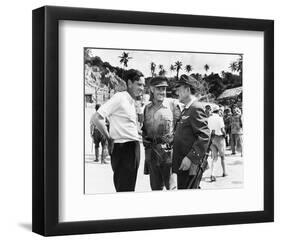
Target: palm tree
237,66
152,68
233,66
178,65
206,67
188,68
172,68
162,72
161,68
125,58
240,65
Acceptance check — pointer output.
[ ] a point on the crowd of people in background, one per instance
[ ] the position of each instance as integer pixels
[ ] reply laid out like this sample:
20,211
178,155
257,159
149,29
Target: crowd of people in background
226,127
175,133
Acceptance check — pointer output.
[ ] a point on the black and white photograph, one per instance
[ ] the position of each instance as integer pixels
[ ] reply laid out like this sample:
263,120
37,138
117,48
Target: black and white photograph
160,120
140,120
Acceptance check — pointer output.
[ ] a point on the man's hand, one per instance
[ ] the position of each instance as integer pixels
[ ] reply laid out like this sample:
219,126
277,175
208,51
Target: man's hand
146,143
185,164
110,145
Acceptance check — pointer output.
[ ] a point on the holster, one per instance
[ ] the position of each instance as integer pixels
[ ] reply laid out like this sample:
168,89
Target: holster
158,153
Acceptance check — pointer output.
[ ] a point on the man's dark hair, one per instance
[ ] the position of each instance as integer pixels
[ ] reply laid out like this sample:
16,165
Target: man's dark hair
132,75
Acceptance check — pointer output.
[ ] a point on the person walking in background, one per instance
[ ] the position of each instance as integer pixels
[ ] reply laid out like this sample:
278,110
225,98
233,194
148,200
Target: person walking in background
97,139
160,117
216,126
191,135
236,131
221,111
227,122
123,137
208,110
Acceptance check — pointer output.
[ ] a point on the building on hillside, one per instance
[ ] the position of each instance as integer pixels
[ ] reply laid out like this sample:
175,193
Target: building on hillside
89,93
97,94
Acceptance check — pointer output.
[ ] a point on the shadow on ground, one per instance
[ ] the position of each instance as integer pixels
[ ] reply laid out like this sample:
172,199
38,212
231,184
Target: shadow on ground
26,226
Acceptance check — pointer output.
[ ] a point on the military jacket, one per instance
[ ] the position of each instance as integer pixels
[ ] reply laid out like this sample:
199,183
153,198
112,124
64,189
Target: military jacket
191,136
158,129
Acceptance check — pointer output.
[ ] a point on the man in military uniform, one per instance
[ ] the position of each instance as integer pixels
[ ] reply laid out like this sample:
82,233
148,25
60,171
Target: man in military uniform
192,133
236,131
160,117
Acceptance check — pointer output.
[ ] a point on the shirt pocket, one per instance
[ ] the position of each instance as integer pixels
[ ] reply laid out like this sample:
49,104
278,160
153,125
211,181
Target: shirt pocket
165,124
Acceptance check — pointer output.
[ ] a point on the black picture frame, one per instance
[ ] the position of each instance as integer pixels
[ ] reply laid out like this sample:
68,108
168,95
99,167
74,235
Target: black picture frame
45,166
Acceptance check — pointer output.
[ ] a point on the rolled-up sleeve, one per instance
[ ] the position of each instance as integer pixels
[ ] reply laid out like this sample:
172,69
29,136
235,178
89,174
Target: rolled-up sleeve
110,106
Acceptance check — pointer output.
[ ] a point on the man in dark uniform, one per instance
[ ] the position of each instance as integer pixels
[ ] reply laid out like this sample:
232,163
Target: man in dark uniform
192,133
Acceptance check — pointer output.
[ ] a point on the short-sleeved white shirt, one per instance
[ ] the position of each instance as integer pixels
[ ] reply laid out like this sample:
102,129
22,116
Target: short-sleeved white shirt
215,122
120,110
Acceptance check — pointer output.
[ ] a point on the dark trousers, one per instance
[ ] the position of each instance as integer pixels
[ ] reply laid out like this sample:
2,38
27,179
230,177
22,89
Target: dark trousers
125,160
184,179
159,176
236,143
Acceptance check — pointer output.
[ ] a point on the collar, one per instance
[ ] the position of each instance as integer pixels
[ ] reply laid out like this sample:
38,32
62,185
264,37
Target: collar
165,103
131,100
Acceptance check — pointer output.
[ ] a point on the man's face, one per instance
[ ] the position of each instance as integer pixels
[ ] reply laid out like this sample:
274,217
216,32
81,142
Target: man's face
183,92
137,87
159,93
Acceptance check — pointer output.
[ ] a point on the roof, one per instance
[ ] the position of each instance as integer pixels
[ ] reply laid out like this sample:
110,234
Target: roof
232,92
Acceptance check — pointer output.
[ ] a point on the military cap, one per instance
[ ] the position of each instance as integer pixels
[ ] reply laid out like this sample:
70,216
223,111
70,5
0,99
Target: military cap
187,80
159,81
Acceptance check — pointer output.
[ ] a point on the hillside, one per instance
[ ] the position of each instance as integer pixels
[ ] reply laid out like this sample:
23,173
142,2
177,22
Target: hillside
101,81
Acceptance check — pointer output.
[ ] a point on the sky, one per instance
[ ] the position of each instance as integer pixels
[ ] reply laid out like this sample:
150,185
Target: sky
141,60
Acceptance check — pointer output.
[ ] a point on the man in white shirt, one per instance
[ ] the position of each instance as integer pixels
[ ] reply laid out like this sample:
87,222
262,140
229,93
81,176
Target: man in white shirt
123,138
216,126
